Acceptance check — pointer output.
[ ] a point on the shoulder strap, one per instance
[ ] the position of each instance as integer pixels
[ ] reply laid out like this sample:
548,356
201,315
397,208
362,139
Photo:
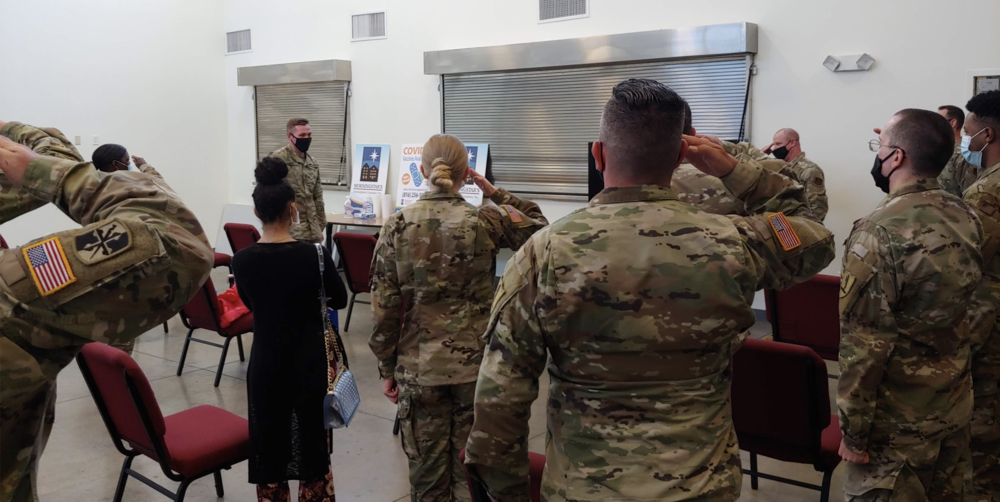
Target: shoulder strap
322,273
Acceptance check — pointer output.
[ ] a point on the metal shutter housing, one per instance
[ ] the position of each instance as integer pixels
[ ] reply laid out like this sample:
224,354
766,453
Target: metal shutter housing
323,104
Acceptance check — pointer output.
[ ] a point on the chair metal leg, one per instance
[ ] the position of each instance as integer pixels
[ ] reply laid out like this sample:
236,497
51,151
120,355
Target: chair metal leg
184,352
239,343
182,490
218,485
395,426
222,361
753,471
350,310
824,493
166,329
123,478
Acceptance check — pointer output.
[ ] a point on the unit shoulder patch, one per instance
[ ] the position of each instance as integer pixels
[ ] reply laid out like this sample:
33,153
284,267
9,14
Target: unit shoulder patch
101,243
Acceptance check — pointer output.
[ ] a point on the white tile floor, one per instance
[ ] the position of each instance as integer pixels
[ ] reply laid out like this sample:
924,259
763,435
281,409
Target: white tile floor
81,464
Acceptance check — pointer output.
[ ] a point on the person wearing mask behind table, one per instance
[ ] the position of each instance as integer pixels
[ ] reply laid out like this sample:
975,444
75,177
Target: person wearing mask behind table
432,286
109,158
637,298
958,174
909,271
278,279
303,176
981,149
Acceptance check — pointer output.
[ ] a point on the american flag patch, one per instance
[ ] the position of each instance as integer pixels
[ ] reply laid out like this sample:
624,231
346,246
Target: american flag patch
783,229
49,266
514,215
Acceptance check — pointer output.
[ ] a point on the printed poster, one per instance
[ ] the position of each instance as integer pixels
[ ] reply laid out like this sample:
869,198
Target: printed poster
477,161
412,184
370,169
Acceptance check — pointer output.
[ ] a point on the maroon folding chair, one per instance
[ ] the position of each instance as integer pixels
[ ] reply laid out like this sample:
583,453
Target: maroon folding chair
221,260
241,235
3,243
808,314
356,251
202,312
188,445
535,470
781,409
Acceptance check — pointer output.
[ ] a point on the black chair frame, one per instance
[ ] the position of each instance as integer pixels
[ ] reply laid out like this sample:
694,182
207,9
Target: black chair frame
130,454
219,329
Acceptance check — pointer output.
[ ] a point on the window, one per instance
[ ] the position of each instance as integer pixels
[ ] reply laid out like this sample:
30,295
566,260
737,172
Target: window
370,26
324,105
538,123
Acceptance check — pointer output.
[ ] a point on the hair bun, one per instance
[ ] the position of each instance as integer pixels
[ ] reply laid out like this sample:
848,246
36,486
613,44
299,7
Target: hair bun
270,171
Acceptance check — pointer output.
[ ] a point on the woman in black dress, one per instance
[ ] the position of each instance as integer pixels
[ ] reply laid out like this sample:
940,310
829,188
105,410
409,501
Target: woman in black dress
279,281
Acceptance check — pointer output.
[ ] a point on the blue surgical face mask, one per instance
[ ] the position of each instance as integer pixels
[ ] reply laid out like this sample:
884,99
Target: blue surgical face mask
973,158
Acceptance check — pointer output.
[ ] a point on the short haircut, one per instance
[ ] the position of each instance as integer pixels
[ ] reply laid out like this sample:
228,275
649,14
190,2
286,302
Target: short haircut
105,156
926,138
641,126
687,119
986,106
791,133
952,112
295,122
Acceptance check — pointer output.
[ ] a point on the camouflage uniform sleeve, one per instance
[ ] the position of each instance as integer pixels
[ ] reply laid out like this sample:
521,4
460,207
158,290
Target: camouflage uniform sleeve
319,215
150,170
508,381
738,149
512,223
815,184
778,255
13,201
868,330
387,302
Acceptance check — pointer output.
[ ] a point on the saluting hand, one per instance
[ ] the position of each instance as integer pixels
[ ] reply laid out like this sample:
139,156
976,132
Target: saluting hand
767,149
139,161
483,183
14,159
709,157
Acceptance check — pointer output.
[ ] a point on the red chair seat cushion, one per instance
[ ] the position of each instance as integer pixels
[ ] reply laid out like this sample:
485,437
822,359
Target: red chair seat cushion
223,260
242,324
205,439
830,444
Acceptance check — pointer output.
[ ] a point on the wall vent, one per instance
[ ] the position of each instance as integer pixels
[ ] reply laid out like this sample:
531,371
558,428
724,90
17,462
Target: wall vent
238,41
368,26
561,10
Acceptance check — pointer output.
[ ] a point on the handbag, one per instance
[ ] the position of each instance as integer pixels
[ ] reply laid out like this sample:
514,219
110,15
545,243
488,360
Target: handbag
342,398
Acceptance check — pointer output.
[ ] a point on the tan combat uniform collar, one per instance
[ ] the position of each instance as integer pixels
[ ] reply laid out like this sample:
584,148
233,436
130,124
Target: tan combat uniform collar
921,185
800,156
442,195
639,193
986,172
295,156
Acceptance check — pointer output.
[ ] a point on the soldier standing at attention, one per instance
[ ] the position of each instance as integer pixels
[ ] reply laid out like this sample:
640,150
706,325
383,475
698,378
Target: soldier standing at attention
139,257
957,175
981,148
303,175
909,271
637,300
432,285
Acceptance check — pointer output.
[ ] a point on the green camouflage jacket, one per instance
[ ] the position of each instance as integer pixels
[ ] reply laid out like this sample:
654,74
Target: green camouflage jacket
704,191
303,175
958,174
908,273
636,301
799,169
984,198
432,283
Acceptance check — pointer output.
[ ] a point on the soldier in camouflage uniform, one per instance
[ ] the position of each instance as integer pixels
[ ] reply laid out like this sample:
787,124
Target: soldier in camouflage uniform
909,271
139,257
303,175
636,300
432,285
983,129
957,175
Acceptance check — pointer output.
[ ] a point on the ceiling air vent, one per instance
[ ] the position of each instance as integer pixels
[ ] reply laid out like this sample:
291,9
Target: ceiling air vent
237,41
561,10
369,26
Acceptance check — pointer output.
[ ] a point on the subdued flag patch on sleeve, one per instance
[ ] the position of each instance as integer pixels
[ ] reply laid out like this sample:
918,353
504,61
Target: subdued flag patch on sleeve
514,215
783,229
49,267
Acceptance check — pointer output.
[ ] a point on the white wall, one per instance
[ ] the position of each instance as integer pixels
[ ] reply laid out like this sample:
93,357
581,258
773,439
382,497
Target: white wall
146,75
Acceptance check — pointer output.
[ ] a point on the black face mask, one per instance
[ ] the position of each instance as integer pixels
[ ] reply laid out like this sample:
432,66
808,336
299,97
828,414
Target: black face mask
302,144
780,152
882,182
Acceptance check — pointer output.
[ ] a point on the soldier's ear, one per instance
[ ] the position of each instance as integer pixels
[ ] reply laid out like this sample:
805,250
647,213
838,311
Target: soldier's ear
682,153
598,152
422,173
255,213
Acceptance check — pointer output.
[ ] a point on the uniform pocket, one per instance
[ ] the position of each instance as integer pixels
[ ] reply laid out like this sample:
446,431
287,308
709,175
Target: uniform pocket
406,429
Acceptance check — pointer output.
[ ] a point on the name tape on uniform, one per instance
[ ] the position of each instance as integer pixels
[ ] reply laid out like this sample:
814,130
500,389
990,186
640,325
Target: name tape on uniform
783,229
49,267
514,215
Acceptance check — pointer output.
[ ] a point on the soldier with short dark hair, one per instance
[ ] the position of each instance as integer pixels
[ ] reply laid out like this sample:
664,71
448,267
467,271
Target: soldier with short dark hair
303,175
957,175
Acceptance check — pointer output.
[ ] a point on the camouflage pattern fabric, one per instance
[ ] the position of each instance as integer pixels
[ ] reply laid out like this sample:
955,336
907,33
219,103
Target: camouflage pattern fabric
929,483
303,175
434,424
636,300
984,198
799,169
958,174
139,257
437,257
704,191
908,274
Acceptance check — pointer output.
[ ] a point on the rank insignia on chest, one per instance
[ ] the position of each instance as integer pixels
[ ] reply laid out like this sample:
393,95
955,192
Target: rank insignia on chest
103,242
514,215
49,267
783,229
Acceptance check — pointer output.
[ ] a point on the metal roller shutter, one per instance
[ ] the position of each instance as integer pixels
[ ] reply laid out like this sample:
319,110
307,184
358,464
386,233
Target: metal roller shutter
538,123
323,104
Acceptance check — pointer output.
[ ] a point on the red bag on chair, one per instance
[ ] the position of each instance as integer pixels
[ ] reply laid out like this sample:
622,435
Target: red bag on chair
231,307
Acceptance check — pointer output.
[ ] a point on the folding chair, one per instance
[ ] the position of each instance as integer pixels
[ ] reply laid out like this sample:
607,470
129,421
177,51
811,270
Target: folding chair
356,251
241,235
202,312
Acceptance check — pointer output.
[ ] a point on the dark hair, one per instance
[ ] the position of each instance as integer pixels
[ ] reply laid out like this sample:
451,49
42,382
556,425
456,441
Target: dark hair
106,155
926,138
641,127
952,112
986,106
295,122
272,193
687,119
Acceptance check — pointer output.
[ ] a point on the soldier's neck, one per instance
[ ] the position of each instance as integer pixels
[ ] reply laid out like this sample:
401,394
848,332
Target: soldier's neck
297,152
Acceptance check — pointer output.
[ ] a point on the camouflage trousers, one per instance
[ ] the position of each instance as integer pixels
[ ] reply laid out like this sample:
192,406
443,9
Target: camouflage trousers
434,424
985,447
941,481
